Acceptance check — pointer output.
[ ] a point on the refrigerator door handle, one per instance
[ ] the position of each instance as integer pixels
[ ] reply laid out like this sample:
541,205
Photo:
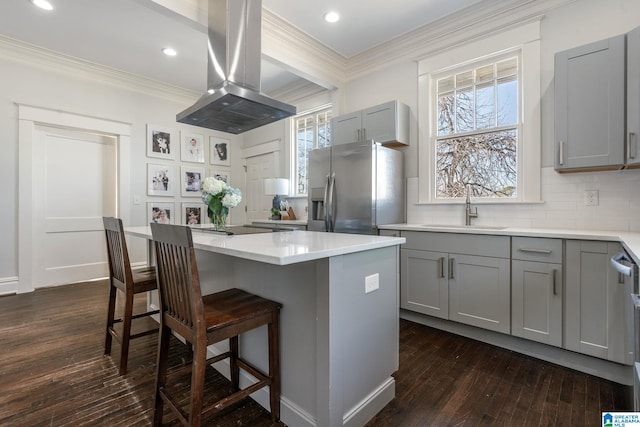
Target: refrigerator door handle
325,203
331,209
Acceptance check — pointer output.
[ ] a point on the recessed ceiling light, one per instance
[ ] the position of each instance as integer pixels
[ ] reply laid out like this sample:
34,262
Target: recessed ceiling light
331,17
42,4
169,51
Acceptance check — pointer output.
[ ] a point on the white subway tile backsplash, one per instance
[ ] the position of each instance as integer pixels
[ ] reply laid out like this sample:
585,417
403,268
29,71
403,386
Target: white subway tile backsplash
563,196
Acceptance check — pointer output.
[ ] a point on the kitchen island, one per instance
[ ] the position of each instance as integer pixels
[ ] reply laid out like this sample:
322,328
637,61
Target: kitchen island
339,341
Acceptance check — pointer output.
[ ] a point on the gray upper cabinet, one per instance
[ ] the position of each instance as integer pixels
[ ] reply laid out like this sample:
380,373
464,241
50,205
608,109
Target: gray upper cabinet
386,123
590,106
633,96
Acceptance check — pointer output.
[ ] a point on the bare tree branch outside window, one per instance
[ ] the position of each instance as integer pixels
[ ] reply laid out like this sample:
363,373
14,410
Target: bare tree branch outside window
477,137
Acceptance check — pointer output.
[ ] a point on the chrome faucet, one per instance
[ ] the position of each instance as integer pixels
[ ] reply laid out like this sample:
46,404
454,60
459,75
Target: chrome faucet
468,213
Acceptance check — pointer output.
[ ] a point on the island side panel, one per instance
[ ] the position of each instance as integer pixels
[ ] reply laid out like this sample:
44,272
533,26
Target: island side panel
362,337
295,287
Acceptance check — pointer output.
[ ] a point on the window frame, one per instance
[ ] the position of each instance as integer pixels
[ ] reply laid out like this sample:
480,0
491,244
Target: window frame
526,41
435,137
325,108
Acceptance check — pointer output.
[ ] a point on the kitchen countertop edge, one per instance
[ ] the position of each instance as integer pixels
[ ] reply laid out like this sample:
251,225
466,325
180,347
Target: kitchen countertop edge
284,247
630,240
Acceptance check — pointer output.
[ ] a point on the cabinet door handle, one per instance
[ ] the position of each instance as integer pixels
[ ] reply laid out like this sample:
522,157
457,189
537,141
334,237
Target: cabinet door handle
561,153
441,268
535,250
631,152
359,135
364,134
451,268
553,279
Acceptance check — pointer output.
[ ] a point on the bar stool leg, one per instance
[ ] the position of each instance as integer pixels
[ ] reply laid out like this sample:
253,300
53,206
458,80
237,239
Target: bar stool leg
111,310
197,381
126,332
233,364
161,373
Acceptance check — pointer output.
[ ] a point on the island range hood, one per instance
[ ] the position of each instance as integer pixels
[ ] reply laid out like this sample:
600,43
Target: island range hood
234,103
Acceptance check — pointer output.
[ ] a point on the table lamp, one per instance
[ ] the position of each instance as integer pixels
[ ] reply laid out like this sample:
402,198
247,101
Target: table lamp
275,187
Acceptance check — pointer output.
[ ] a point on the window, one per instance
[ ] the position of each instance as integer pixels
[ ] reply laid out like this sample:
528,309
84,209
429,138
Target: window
479,104
476,142
312,129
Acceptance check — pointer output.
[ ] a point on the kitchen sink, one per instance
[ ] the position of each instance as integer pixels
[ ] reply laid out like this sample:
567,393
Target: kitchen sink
465,227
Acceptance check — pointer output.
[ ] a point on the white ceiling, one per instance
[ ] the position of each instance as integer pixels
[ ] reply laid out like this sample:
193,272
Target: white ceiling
128,34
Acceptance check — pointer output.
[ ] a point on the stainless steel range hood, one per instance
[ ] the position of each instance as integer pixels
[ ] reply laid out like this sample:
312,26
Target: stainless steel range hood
234,103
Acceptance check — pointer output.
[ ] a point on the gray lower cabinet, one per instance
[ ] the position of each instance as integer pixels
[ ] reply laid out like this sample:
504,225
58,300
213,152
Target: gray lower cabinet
460,277
424,287
596,302
479,291
537,289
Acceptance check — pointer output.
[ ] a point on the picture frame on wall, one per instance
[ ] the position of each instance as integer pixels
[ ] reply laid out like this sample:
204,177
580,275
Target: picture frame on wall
219,151
193,213
161,213
192,147
160,180
191,179
221,175
161,142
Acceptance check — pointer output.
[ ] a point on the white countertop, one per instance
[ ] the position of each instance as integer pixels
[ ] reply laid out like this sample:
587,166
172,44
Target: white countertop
630,240
284,247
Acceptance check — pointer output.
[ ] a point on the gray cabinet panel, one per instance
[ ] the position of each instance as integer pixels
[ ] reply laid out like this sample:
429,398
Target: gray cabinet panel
479,292
633,96
423,282
346,128
536,301
590,105
385,123
595,321
469,244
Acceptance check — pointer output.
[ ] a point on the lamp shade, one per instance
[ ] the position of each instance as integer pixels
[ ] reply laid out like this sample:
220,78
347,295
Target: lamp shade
276,186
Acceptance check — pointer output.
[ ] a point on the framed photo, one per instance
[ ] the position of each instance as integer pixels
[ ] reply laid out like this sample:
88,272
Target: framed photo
193,213
160,180
192,148
221,174
191,180
161,213
161,142
219,151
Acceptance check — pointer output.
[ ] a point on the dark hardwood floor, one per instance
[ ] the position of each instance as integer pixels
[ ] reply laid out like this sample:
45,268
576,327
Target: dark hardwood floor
53,373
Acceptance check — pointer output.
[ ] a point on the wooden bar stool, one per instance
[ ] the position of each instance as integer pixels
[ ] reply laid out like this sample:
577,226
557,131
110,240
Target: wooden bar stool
203,321
130,282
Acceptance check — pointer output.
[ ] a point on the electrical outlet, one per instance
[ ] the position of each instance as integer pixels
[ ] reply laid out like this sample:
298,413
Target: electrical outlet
591,197
371,283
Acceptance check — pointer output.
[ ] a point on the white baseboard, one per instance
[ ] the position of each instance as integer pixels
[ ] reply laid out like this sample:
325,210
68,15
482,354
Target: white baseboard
8,285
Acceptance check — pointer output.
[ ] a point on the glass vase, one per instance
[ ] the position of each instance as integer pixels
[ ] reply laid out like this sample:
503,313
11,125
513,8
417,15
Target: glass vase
219,221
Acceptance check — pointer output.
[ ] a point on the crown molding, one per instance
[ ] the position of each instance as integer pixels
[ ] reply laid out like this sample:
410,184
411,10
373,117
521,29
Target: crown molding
478,21
25,53
307,57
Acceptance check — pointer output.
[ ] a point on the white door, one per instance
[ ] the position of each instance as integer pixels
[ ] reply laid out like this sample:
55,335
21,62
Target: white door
258,168
78,188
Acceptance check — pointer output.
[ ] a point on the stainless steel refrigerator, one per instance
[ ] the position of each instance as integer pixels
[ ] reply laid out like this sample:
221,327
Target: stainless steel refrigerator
355,187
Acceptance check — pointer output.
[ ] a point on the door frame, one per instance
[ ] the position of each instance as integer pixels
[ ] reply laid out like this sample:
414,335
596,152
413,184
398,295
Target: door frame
271,147
29,117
